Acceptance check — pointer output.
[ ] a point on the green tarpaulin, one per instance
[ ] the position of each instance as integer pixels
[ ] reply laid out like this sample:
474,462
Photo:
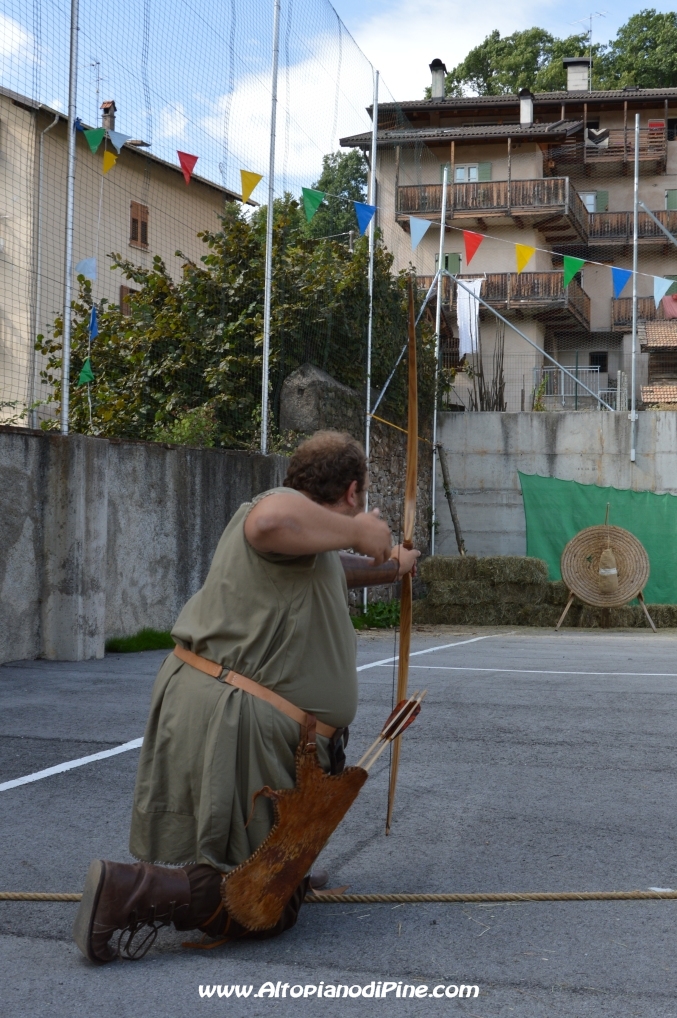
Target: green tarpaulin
556,510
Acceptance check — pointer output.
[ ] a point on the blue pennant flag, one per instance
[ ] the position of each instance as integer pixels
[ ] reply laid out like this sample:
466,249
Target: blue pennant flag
93,324
418,229
365,214
79,126
620,278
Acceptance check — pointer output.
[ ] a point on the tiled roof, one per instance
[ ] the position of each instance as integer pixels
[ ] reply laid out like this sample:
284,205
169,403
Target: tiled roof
659,393
658,335
463,102
401,136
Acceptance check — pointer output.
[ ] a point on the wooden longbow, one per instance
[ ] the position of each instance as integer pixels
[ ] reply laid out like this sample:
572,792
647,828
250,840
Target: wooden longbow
407,541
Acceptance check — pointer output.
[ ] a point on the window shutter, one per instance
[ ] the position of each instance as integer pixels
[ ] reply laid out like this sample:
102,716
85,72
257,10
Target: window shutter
601,201
138,224
124,299
484,171
673,288
452,263
671,200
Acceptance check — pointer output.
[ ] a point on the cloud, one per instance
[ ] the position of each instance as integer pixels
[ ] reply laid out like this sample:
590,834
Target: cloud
172,122
14,40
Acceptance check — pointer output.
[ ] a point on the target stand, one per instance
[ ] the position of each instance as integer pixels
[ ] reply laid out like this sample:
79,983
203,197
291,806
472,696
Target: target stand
580,565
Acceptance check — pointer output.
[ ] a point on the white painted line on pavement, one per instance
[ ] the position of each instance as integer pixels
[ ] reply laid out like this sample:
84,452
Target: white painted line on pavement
430,650
541,671
69,764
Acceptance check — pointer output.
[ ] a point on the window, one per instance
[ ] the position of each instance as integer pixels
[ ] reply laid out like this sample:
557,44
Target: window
600,360
595,201
470,173
125,291
138,225
451,262
672,130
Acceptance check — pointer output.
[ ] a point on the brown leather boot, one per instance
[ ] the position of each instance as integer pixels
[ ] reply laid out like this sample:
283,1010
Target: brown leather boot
127,897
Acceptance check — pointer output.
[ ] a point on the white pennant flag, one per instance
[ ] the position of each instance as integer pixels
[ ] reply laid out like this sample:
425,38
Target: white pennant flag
660,288
117,140
418,229
87,268
468,316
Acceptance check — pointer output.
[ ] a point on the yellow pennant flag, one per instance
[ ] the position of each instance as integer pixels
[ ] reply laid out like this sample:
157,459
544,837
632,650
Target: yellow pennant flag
249,182
523,254
109,161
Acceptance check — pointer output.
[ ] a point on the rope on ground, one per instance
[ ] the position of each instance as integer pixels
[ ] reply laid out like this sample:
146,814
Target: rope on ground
412,899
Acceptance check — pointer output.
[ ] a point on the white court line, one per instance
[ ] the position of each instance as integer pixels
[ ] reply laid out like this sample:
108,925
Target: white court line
429,650
136,743
69,764
541,671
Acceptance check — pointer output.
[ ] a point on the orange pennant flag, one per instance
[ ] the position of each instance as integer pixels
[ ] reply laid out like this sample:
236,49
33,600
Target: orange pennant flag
523,254
109,161
249,182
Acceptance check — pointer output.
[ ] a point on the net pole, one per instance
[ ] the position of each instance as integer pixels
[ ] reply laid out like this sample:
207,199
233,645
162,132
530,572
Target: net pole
70,212
635,246
268,270
370,323
38,275
438,325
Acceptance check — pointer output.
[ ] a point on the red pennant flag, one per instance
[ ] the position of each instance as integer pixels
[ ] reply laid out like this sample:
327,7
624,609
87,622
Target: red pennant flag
187,164
472,242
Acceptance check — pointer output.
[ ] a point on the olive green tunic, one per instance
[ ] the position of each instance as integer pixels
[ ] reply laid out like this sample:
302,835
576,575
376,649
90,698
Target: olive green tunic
208,747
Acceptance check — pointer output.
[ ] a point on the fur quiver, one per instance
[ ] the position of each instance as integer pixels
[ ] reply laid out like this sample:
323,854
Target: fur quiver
608,573
256,892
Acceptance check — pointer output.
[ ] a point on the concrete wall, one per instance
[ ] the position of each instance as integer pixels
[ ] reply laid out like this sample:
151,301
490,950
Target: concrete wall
485,451
102,538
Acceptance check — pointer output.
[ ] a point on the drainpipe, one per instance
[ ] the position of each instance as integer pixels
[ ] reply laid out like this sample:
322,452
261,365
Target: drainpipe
38,273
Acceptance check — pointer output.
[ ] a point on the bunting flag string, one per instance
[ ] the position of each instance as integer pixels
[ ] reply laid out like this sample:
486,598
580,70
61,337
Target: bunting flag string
418,229
472,241
94,137
311,201
117,139
187,162
571,267
86,268
523,255
660,288
619,278
365,214
109,161
86,375
249,182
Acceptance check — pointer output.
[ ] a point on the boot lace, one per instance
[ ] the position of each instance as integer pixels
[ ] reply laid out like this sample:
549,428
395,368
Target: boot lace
128,949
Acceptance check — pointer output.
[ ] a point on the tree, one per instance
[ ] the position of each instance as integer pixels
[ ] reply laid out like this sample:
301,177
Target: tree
643,53
185,364
343,174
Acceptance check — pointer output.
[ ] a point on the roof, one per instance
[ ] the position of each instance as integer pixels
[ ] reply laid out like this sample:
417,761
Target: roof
618,95
481,132
33,106
659,393
658,335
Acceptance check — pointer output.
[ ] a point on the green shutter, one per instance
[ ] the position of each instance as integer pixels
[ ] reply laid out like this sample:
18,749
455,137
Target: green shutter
484,171
671,200
448,166
673,288
601,201
452,263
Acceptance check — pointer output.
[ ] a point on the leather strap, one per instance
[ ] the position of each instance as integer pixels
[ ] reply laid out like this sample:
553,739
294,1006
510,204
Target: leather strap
307,721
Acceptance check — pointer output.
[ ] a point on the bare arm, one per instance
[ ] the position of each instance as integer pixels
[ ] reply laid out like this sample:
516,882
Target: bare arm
295,525
361,572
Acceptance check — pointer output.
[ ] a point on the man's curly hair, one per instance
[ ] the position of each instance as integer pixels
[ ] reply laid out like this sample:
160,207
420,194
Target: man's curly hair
325,465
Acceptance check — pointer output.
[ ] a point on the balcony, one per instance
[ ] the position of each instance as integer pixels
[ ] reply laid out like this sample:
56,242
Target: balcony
540,295
617,227
615,151
621,312
550,205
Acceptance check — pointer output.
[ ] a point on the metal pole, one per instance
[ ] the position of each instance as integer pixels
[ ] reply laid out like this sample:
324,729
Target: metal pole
370,324
70,211
438,323
38,273
635,235
268,271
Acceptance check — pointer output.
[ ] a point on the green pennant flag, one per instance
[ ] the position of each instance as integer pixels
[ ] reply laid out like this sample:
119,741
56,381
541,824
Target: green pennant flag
571,267
311,201
86,375
95,137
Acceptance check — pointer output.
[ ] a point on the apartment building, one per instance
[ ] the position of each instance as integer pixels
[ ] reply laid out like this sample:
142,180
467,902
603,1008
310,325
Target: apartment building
139,209
553,171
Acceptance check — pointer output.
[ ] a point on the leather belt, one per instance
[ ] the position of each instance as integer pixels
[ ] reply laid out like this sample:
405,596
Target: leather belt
217,671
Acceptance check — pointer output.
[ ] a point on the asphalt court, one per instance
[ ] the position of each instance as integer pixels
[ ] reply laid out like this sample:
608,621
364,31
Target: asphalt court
540,761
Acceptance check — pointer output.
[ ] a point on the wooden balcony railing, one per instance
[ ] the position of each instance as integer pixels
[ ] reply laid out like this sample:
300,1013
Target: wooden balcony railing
526,290
621,312
617,227
619,148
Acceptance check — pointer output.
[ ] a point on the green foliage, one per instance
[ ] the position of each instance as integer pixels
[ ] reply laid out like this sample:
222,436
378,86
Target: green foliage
147,639
379,615
643,53
185,364
343,174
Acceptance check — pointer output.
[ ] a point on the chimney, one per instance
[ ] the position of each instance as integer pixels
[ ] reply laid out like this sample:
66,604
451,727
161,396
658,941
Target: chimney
108,116
438,71
526,107
578,73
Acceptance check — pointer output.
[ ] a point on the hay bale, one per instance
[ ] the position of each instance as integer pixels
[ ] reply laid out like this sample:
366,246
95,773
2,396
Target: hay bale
493,569
476,592
557,593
